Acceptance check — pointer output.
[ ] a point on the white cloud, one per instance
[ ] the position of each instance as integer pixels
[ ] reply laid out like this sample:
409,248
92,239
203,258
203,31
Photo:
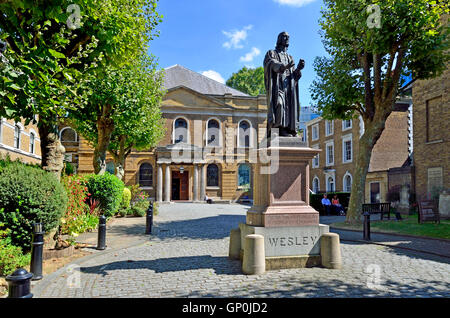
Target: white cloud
250,55
294,3
214,75
235,37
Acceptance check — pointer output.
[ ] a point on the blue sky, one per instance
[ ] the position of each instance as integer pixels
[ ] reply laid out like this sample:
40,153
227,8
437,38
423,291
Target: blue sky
222,36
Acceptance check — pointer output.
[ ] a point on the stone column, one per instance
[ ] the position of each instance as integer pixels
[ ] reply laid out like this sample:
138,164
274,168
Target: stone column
167,182
159,190
202,182
195,189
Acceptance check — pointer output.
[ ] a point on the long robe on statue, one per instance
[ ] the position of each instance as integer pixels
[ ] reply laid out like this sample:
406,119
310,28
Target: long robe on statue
282,92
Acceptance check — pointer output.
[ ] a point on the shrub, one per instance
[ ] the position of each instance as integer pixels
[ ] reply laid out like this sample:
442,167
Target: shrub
11,256
126,198
141,201
138,211
68,169
77,193
80,224
108,189
28,195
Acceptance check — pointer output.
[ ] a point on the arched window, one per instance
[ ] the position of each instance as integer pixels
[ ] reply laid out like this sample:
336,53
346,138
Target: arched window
32,139
17,132
316,185
110,167
330,184
146,175
243,175
213,136
180,131
68,134
212,175
244,134
347,183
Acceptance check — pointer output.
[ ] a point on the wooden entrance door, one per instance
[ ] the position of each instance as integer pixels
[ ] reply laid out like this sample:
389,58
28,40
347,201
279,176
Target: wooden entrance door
180,185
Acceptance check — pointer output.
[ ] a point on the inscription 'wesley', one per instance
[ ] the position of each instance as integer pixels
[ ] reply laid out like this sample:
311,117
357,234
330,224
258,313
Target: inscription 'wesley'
291,240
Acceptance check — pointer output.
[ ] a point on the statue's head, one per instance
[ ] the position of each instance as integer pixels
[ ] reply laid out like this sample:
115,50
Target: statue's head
283,40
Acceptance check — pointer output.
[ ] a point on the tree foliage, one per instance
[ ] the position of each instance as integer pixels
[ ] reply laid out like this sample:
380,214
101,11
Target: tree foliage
248,80
363,73
122,111
52,46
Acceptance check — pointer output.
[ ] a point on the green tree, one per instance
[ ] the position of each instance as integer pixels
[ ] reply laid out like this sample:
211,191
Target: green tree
248,80
122,111
370,49
54,44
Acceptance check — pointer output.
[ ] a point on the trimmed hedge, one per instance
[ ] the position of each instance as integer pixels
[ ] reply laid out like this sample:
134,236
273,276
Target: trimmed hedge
315,199
108,189
27,195
126,198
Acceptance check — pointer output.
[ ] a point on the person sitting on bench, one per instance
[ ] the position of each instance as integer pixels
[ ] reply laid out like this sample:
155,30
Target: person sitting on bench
337,206
326,204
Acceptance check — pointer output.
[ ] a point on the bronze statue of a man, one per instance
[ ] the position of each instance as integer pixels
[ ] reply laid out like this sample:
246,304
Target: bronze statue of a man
281,81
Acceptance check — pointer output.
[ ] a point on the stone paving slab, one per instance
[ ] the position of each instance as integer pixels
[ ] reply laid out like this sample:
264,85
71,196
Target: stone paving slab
187,256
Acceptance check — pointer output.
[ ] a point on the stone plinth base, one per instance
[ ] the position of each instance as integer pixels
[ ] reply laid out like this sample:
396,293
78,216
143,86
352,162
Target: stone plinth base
284,247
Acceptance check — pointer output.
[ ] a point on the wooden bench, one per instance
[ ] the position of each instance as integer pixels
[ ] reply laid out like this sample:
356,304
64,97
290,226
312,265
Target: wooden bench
428,212
375,208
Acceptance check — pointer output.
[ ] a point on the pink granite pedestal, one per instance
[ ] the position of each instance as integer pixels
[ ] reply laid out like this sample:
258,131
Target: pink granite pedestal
281,198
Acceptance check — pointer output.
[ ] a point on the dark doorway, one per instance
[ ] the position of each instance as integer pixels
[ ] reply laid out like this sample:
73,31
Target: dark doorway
180,185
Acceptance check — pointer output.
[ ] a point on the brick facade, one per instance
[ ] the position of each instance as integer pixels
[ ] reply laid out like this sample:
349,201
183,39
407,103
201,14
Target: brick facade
24,150
432,134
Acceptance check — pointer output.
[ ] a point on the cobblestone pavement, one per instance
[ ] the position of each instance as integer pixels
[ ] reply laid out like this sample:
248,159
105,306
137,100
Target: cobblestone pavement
187,257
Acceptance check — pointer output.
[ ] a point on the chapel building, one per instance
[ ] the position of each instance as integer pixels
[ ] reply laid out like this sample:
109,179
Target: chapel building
211,130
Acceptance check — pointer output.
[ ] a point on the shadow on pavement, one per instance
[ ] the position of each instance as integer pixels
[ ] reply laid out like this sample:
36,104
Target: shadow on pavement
220,265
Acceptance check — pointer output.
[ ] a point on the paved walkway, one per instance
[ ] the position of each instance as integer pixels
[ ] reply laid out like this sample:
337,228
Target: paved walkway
187,257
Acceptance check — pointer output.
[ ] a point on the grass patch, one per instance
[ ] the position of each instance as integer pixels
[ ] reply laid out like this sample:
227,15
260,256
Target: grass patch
408,226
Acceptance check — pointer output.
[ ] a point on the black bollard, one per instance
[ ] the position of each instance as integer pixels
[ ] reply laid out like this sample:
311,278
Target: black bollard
101,244
149,220
19,284
366,232
37,250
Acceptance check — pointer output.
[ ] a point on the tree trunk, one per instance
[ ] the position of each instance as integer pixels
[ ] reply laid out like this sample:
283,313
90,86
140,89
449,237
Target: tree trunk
44,130
373,131
359,178
105,127
120,156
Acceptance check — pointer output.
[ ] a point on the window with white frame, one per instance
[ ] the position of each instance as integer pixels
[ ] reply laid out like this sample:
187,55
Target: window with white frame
347,183
329,153
315,132
213,136
244,134
32,140
315,160
330,184
180,131
316,185
329,127
346,124
347,149
17,132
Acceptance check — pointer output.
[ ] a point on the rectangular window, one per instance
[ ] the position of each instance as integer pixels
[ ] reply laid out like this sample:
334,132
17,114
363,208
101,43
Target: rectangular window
330,154
329,127
32,142
315,132
315,161
375,192
17,137
346,124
